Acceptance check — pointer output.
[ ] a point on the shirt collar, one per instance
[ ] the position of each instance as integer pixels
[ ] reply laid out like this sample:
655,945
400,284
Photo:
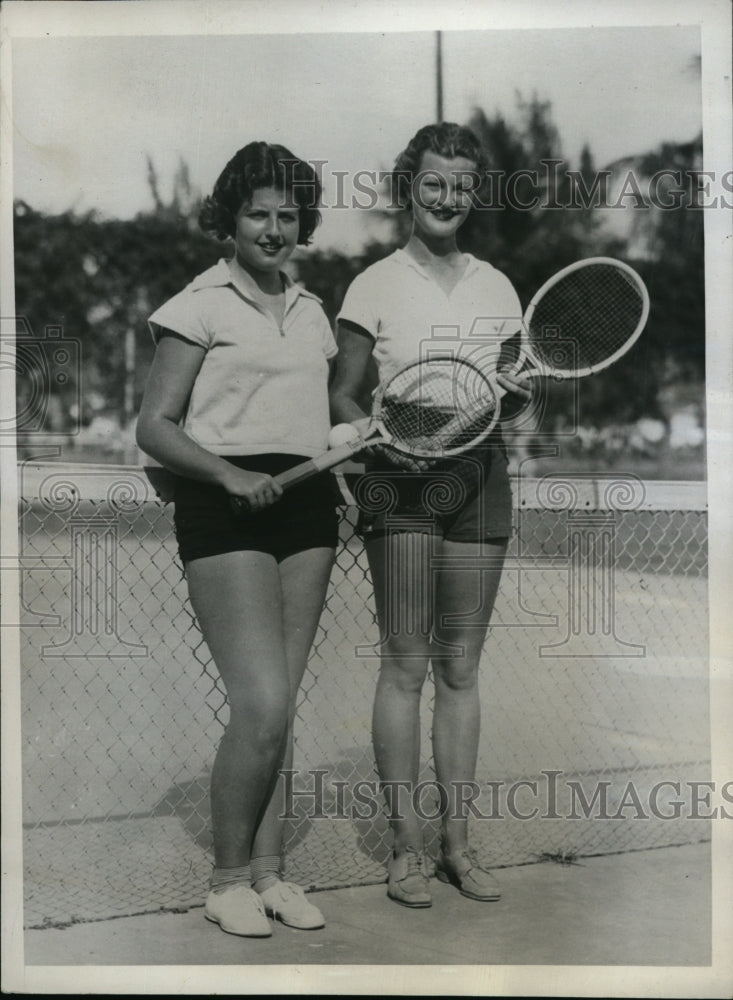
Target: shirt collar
229,272
403,257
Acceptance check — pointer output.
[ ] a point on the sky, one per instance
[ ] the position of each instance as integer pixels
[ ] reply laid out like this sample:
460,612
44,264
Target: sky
87,111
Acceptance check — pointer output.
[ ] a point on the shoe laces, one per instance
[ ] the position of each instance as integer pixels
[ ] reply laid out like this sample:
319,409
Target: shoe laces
250,896
415,861
286,891
467,853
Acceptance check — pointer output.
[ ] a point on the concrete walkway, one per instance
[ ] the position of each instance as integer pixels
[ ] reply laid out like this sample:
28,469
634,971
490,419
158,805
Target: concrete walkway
648,908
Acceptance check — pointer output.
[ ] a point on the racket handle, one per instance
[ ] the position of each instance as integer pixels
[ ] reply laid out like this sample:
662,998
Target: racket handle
335,456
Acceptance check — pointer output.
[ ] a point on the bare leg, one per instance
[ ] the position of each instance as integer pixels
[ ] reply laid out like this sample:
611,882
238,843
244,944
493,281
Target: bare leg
304,580
398,564
237,600
464,601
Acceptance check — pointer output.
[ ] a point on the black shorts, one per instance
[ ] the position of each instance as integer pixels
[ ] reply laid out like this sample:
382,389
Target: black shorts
467,498
303,518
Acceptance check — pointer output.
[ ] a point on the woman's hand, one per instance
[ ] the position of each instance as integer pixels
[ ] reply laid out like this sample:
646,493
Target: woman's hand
518,394
402,460
393,455
514,384
251,490
362,425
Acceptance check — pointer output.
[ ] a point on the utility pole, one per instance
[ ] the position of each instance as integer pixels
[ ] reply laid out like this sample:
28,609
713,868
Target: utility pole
439,76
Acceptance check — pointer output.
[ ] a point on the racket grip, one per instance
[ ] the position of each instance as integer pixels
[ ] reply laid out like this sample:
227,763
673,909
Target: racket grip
335,456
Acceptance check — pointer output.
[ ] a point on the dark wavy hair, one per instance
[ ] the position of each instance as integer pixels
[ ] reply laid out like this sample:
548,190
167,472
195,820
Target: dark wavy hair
261,165
445,139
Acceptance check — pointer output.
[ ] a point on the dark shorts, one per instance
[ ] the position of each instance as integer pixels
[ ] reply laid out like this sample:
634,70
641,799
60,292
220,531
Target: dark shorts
467,498
303,518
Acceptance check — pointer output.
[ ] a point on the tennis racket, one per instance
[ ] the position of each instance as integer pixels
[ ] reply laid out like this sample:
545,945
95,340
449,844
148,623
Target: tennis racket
581,320
429,409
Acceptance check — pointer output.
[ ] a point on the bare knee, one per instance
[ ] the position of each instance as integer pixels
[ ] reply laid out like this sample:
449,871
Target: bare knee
260,714
457,673
403,669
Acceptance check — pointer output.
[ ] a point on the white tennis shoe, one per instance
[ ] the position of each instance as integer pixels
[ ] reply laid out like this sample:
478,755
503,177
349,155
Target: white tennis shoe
286,902
237,909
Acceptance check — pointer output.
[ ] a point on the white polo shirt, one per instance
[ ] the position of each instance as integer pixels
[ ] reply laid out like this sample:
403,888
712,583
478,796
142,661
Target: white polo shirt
261,388
399,303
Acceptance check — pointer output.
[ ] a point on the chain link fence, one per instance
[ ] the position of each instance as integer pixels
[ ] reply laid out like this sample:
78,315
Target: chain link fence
593,688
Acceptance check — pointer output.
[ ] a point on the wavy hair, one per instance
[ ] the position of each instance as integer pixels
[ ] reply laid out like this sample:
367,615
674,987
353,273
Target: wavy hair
445,139
261,165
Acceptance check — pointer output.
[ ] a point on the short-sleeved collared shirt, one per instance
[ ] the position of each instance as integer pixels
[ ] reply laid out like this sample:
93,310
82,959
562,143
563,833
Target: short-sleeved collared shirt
261,387
399,303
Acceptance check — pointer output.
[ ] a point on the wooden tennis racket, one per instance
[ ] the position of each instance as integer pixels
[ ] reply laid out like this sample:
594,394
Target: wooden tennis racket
582,320
429,409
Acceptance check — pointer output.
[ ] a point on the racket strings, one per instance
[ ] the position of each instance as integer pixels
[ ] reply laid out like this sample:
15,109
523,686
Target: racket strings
585,318
437,407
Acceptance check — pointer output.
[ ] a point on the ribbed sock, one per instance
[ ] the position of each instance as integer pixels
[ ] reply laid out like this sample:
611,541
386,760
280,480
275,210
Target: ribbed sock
265,871
222,878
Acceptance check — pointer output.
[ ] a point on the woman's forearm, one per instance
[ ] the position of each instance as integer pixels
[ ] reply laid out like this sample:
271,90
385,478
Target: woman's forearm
345,409
168,444
355,350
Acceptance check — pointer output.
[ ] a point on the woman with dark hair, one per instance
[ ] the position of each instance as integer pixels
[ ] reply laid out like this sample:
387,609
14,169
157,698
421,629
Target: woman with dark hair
435,556
238,393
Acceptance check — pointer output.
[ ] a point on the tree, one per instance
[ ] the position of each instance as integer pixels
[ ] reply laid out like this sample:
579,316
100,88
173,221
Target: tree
99,278
531,243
